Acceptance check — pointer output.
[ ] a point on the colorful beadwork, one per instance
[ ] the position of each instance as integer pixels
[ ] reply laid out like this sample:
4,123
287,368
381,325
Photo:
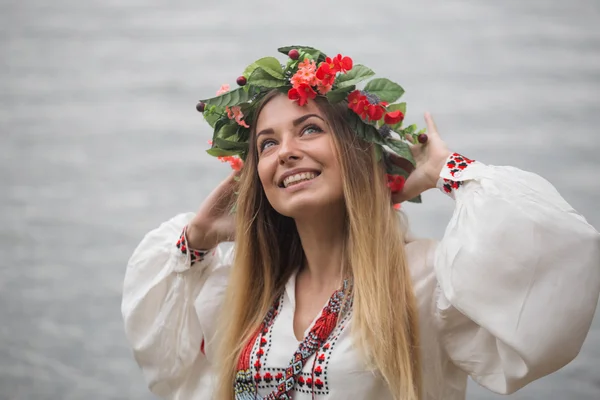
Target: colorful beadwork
245,387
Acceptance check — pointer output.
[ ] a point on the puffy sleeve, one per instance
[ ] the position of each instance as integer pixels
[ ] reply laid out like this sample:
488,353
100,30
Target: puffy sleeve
170,300
518,273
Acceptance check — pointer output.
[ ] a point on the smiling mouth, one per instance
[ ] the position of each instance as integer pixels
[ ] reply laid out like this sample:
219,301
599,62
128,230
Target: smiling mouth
298,178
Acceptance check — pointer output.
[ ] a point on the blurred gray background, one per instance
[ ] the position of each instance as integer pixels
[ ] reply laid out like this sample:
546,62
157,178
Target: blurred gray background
100,142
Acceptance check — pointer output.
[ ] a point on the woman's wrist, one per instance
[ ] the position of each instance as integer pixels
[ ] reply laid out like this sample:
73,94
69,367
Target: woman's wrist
438,165
200,238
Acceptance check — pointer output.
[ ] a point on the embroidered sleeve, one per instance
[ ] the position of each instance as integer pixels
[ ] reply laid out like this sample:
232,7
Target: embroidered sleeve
170,311
194,254
518,277
452,175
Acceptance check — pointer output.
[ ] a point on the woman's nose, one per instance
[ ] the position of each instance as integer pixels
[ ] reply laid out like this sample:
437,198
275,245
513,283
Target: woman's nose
288,151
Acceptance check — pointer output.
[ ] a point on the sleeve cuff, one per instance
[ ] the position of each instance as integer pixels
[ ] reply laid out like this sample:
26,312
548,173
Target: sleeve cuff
193,256
455,172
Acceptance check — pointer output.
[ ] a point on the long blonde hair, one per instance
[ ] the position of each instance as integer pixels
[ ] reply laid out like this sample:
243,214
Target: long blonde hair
268,250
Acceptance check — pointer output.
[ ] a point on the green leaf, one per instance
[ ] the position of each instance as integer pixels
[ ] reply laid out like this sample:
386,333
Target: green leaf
262,78
270,64
364,130
357,74
220,124
228,130
229,145
408,133
317,55
385,89
211,118
337,95
396,107
243,134
401,148
216,152
231,98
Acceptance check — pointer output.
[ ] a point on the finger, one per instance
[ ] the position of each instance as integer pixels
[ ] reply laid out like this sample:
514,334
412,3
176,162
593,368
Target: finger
431,127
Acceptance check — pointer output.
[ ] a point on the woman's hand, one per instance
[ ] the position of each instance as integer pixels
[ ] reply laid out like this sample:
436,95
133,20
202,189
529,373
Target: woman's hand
214,223
429,159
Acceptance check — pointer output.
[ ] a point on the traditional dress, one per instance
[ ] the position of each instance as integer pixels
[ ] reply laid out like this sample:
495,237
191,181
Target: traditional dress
506,297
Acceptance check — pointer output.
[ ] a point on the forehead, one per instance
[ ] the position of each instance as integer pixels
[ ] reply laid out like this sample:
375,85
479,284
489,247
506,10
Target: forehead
281,112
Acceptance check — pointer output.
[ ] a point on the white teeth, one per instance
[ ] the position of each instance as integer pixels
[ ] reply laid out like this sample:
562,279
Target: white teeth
304,176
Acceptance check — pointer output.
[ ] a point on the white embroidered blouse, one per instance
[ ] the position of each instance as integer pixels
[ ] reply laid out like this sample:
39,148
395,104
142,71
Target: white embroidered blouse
507,296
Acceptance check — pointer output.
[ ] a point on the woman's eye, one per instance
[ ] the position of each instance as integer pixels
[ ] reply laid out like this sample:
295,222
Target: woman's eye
265,145
312,129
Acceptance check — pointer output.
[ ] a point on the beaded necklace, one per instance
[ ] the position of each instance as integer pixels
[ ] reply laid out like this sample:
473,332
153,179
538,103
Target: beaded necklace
245,387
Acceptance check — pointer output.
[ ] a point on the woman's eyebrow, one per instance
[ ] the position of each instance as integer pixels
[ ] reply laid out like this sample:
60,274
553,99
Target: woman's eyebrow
296,122
303,118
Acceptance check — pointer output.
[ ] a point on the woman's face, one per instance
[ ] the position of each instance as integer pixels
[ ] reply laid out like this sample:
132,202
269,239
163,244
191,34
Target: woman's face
296,161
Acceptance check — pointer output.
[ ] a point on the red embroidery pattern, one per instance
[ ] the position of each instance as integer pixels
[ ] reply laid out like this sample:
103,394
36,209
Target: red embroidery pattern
316,382
195,255
246,385
456,163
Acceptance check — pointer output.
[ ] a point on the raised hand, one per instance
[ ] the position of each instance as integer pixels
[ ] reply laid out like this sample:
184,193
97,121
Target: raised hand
214,223
429,159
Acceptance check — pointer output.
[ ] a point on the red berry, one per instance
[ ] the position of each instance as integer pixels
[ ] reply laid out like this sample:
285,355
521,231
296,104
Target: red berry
294,54
200,107
422,138
241,80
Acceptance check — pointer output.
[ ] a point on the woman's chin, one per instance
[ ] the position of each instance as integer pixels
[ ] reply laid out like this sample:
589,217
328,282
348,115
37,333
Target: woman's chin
305,206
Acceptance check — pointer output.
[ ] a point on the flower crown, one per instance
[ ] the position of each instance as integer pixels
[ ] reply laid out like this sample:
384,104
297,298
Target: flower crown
373,112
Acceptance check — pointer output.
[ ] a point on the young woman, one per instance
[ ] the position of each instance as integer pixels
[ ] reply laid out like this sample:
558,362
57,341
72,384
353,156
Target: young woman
325,296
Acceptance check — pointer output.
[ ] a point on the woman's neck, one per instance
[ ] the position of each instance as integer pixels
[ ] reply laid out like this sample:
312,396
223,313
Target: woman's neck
322,238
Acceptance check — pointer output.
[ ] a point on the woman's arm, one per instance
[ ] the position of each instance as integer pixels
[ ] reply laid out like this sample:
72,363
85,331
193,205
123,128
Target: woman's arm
518,269
164,326
518,272
174,289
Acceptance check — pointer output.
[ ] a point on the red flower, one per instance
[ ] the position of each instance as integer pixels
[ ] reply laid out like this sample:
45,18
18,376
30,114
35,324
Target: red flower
235,162
326,74
394,117
354,100
363,108
397,206
395,183
375,112
342,64
302,93
359,103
